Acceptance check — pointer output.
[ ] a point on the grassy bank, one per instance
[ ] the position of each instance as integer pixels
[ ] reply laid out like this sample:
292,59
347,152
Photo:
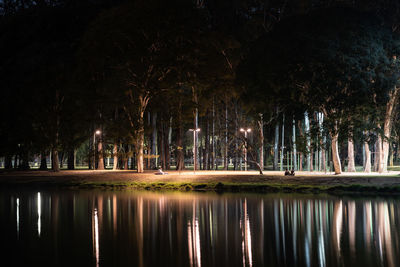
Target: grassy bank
217,187
207,181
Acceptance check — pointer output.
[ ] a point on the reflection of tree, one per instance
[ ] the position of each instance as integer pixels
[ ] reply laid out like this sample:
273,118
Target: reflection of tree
194,239
384,235
337,226
246,237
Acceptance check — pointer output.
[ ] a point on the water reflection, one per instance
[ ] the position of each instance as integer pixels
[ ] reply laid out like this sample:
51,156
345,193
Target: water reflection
96,236
17,202
194,239
39,213
187,229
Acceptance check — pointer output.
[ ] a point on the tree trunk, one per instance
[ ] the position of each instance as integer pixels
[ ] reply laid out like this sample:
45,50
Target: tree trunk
308,140
236,139
206,158
367,167
55,165
115,156
71,159
154,152
195,126
276,146
180,165
166,147
100,157
139,147
213,161
283,141
294,146
322,142
226,135
387,126
379,155
335,153
350,154
301,153
43,161
261,129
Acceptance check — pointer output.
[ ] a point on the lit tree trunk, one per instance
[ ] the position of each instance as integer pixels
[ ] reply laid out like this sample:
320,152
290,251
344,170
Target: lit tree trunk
139,146
335,153
367,167
166,146
138,125
261,129
276,146
283,141
236,139
55,165
301,153
379,155
54,150
196,125
226,135
154,163
294,146
308,145
100,165
115,156
387,125
179,136
214,165
322,142
206,160
350,154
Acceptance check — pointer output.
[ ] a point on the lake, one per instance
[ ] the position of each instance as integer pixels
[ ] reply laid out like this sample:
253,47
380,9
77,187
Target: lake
137,228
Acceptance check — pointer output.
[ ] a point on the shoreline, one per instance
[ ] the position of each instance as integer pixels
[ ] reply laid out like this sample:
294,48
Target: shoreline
217,181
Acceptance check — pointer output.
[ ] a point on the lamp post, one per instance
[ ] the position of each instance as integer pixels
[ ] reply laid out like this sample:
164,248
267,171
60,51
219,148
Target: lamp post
245,146
194,147
97,132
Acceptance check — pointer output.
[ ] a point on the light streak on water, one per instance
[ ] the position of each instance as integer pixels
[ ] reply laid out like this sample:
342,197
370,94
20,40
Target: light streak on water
96,237
194,240
17,217
39,212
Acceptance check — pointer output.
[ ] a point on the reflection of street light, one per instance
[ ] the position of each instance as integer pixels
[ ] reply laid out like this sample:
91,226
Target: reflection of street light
245,146
194,147
97,132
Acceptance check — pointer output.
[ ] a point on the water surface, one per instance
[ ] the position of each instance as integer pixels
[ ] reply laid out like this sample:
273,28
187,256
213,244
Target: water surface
117,228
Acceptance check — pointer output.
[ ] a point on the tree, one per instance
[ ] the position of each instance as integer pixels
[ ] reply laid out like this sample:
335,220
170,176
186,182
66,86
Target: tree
325,62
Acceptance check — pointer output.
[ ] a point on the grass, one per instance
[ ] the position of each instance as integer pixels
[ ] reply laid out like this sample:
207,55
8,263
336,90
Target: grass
234,187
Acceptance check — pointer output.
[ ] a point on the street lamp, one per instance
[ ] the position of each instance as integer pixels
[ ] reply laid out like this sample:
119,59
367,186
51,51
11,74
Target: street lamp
97,132
245,146
194,147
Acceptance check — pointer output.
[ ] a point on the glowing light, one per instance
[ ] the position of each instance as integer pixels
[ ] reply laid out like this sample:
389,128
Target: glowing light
194,240
39,211
96,236
98,132
338,217
246,238
17,216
